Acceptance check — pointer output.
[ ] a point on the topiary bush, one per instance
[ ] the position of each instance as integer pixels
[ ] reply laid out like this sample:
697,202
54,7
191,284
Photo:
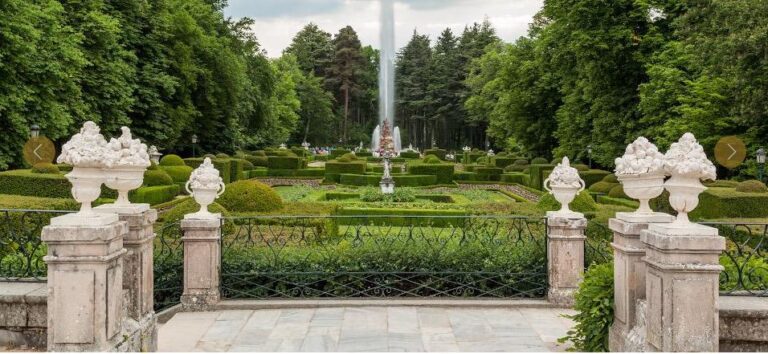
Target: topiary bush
464,176
583,203
154,194
45,168
488,173
401,195
594,303
432,159
222,156
284,162
157,177
409,154
602,187
333,169
541,161
178,173
580,167
247,165
501,161
172,160
521,162
440,153
262,161
516,177
339,152
442,171
515,168
618,192
610,178
591,177
751,186
250,196
349,156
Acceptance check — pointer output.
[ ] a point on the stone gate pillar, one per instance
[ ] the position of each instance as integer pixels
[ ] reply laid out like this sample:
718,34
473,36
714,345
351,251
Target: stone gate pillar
682,287
202,260
628,272
565,257
85,282
138,272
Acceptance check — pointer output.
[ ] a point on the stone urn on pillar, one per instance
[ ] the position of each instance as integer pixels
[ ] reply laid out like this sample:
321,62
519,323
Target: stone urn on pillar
88,154
128,161
564,183
205,185
687,164
641,173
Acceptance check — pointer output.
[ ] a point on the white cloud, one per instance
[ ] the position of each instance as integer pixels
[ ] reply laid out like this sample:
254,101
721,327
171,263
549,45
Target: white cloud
277,21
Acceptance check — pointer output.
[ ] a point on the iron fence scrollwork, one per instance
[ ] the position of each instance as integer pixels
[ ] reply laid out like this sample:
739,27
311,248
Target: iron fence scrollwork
21,249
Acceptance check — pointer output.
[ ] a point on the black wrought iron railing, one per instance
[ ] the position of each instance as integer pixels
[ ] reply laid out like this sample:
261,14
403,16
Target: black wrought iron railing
21,249
378,256
745,258
168,265
597,246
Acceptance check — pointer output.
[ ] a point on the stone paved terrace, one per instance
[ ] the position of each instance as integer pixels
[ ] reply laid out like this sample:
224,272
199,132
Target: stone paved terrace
368,328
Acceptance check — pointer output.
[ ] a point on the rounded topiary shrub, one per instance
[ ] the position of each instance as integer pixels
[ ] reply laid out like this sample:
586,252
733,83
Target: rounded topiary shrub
618,192
611,178
539,161
247,165
482,160
222,155
187,207
45,167
157,177
580,167
172,160
602,187
349,156
250,196
521,162
432,160
583,203
751,186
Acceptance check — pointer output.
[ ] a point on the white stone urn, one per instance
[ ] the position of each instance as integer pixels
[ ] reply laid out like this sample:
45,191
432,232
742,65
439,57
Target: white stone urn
205,185
641,172
126,165
564,183
687,164
88,154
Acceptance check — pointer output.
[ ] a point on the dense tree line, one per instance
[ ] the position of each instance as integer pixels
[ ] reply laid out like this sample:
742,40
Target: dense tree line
603,73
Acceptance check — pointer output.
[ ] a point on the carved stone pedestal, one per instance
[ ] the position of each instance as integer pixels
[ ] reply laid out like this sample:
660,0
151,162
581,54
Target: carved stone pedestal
85,284
682,287
628,272
565,248
138,274
202,256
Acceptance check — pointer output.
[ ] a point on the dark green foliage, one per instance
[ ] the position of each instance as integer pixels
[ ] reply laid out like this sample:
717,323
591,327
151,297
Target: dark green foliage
154,194
222,155
591,177
440,153
602,187
45,168
443,172
515,168
583,203
594,303
521,162
400,180
247,165
189,206
64,167
341,195
409,154
172,160
539,174
157,178
178,173
375,195
262,161
359,180
516,177
610,178
721,183
618,192
350,156
432,159
580,167
464,176
24,182
715,203
333,169
364,154
752,186
308,172
444,214
339,152
502,161
250,196
488,173
540,161
237,167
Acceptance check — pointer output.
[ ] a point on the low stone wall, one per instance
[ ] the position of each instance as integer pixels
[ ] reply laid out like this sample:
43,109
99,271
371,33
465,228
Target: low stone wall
23,315
743,324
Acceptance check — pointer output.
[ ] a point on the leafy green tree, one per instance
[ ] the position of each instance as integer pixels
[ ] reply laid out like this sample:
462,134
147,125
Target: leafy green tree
317,119
284,104
313,50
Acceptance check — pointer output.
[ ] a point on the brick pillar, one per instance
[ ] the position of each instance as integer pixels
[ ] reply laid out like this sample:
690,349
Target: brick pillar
202,256
682,287
138,272
565,257
85,282
628,272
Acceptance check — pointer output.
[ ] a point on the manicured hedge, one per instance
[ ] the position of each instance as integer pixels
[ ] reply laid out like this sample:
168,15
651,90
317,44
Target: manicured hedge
443,172
284,163
437,198
155,194
262,161
400,180
250,196
157,177
64,167
539,173
516,177
715,203
474,155
488,173
300,152
399,217
237,166
178,173
171,160
591,177
341,196
339,152
363,153
359,180
258,172
464,176
582,203
440,153
409,154
45,168
603,199
333,169
310,172
24,182
503,161
602,187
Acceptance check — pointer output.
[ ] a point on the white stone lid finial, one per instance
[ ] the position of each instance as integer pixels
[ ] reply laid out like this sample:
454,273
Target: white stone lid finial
563,175
686,158
640,157
127,152
88,148
206,176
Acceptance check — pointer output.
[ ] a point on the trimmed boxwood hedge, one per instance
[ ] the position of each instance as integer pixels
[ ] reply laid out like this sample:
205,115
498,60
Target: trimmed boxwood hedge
154,195
250,196
503,161
333,169
399,217
464,176
172,160
488,173
339,152
591,177
258,172
440,153
443,172
516,177
409,154
359,180
157,177
341,195
310,172
178,173
715,203
258,160
284,162
602,187
400,180
539,173
363,153
24,182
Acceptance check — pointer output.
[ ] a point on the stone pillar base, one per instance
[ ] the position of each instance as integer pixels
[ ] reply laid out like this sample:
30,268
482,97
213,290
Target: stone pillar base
561,297
202,260
565,258
200,301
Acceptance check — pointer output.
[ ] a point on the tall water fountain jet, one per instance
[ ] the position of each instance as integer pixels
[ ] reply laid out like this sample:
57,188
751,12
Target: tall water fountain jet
387,77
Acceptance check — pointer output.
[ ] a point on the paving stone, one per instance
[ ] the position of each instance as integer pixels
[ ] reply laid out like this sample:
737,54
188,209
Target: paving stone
327,317
434,320
405,342
402,320
319,343
365,318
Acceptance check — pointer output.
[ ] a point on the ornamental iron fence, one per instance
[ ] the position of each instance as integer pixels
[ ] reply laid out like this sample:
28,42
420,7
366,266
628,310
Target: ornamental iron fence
168,265
383,256
21,250
745,258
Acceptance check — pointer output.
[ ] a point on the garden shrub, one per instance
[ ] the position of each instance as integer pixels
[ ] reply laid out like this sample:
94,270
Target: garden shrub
363,154
349,156
722,183
189,206
583,203
222,165
541,161
284,162
309,172
341,195
502,162
464,176
64,167
751,186
262,161
516,177
594,303
157,177
484,160
259,153
210,156
488,173
339,152
521,162
603,199
24,182
515,168
414,180
45,168
443,171
610,178
172,160
618,192
250,196
247,165
440,153
154,194
333,169
400,195
580,167
258,172
474,155
8,201
409,154
591,177
538,174
716,203
432,159
299,151
602,187
359,180
374,159
222,155
178,173
393,219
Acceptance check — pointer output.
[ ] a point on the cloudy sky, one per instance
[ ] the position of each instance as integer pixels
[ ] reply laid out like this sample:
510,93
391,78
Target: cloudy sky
277,21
